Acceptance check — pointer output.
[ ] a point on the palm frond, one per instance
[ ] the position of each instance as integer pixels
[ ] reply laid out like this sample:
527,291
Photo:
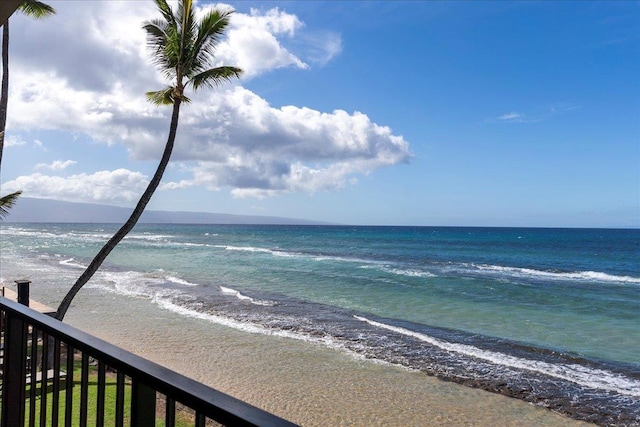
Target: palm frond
156,33
214,77
188,29
186,18
161,97
7,202
210,31
167,12
161,39
36,9
156,37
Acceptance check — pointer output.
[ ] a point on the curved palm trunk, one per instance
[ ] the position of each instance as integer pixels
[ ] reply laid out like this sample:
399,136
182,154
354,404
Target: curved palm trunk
131,222
4,91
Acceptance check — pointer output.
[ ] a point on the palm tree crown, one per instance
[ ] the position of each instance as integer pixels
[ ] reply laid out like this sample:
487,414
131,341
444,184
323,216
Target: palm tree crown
184,49
36,9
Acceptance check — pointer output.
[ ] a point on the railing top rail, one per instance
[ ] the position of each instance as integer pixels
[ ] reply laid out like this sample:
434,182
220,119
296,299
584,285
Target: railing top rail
210,402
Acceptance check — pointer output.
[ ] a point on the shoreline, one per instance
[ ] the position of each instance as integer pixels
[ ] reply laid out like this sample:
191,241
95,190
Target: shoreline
306,383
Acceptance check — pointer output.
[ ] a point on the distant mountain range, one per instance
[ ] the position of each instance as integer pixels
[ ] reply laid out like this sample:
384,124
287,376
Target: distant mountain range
45,210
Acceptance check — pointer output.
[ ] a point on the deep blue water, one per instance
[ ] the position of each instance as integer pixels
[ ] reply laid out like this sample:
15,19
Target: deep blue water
536,309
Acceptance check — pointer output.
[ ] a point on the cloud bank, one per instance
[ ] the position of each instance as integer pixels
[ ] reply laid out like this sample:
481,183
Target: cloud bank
228,138
116,186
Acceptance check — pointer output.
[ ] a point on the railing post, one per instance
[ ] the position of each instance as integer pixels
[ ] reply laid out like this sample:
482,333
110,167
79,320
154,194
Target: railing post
15,375
143,405
23,291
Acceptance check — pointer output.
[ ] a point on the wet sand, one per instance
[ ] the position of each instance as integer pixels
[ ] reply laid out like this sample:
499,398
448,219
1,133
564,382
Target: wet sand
304,382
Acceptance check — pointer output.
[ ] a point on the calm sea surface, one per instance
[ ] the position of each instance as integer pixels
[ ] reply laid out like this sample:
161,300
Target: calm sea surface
550,316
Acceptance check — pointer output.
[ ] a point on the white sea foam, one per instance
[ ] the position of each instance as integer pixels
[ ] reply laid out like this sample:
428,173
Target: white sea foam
85,236
197,245
247,327
70,263
237,294
14,231
133,283
578,275
274,252
167,244
180,281
286,254
408,272
149,237
46,235
594,378
244,248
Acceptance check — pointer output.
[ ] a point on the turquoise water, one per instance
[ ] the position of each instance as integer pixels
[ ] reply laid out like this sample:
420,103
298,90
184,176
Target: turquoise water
503,292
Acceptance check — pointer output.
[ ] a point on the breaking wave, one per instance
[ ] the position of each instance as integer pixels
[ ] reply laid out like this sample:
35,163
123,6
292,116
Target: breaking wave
582,375
240,296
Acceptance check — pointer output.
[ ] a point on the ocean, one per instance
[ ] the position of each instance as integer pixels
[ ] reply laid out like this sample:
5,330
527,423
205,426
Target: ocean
548,316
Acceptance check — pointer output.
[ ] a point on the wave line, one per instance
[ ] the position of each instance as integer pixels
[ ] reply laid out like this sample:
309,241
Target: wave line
593,378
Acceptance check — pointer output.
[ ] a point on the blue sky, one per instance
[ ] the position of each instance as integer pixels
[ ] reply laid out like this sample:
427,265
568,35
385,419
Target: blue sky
407,113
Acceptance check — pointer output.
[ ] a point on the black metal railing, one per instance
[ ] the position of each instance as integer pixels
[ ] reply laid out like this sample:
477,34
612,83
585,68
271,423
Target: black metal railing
55,375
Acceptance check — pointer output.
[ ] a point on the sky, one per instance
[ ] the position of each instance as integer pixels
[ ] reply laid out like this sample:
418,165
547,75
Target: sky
366,113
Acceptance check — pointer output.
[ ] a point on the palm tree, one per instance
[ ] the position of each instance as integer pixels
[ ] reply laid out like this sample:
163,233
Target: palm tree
183,49
7,202
35,9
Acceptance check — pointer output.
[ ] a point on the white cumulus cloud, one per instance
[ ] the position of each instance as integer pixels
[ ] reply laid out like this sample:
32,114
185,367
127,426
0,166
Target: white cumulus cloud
57,165
253,43
259,150
118,186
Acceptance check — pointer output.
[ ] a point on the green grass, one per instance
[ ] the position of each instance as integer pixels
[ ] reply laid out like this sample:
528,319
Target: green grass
183,418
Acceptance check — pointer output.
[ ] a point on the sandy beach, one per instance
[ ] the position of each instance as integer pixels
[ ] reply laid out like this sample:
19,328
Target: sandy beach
304,382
